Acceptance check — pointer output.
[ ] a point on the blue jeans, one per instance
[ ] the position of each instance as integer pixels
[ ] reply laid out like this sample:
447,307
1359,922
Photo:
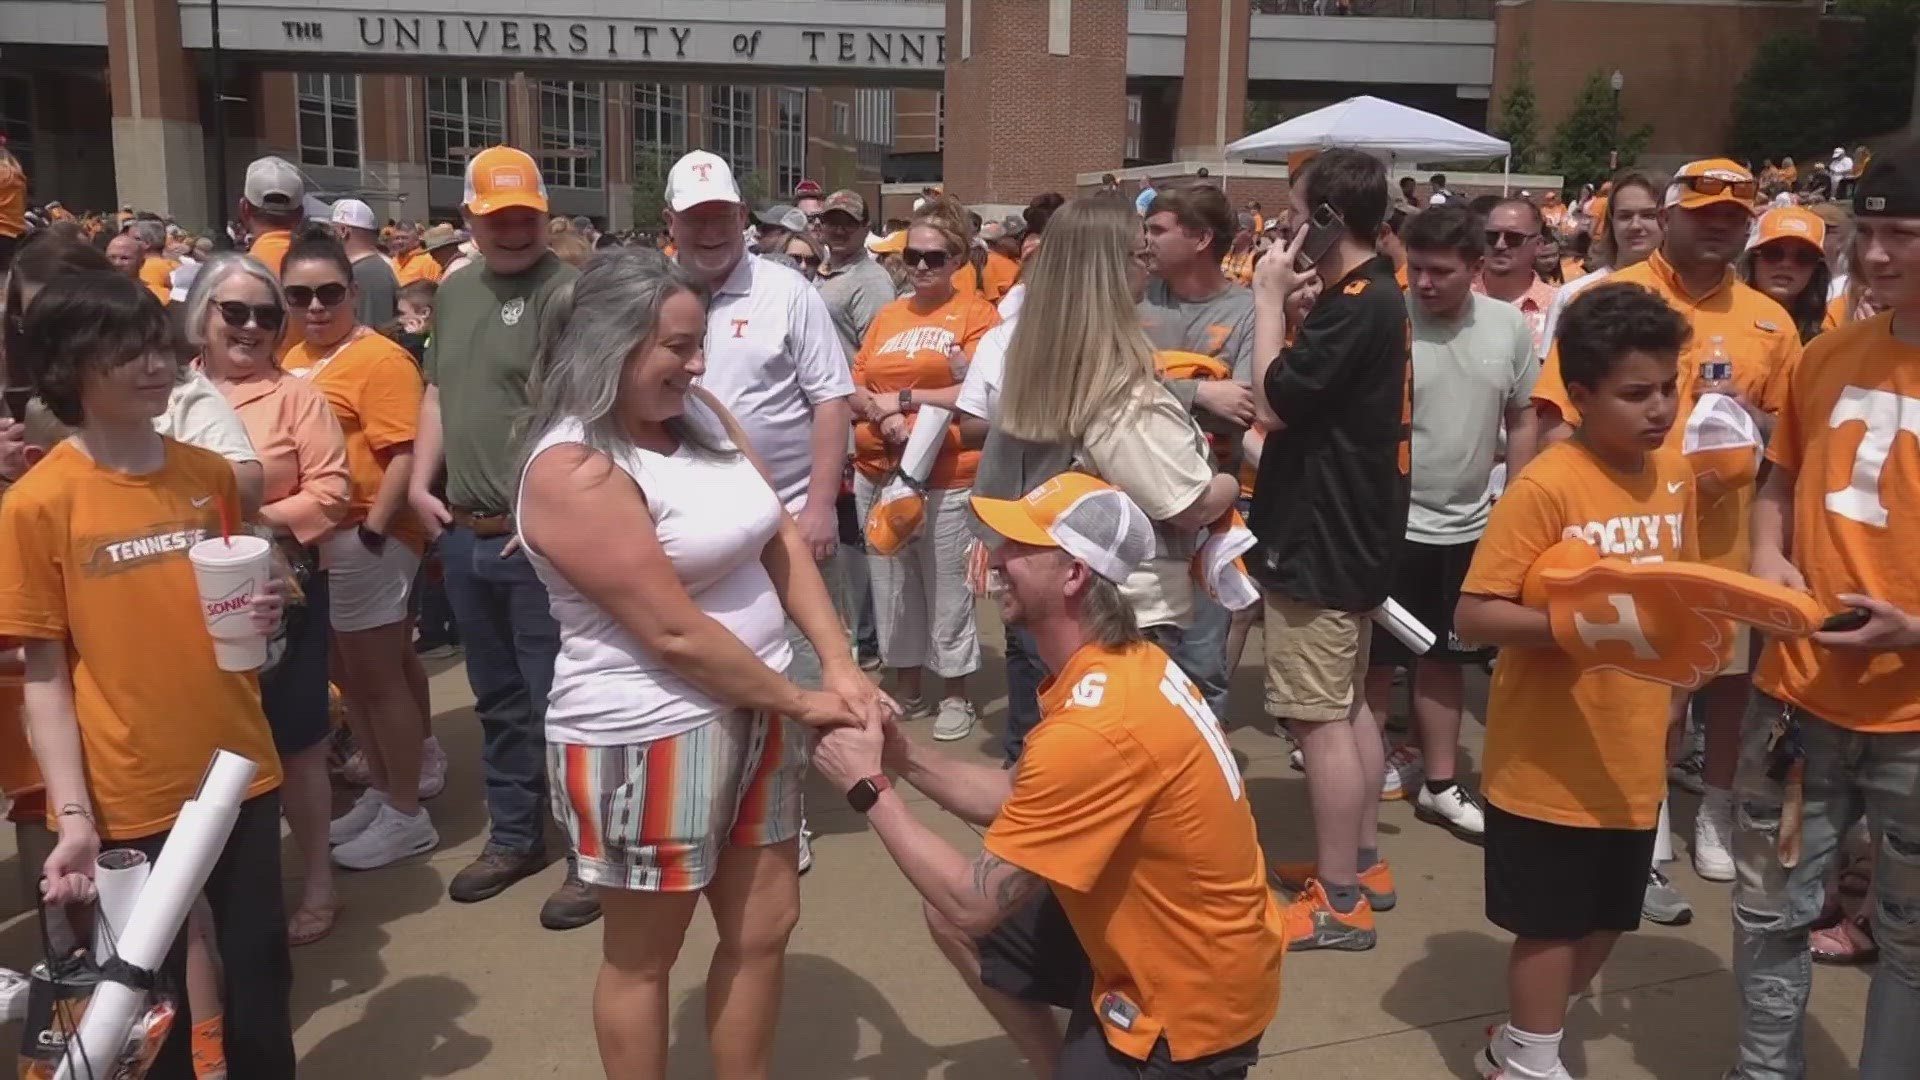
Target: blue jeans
1847,774
1202,652
511,641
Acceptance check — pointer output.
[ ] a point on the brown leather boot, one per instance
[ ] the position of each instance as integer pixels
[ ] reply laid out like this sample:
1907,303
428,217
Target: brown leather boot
489,875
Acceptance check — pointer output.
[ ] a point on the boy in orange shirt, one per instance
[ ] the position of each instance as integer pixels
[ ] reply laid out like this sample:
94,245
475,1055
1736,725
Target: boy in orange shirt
1575,765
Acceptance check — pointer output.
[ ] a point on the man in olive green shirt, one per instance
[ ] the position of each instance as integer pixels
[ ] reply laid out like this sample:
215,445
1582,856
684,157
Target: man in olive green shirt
486,332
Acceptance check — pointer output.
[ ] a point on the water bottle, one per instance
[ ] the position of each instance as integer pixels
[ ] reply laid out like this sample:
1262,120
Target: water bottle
1718,366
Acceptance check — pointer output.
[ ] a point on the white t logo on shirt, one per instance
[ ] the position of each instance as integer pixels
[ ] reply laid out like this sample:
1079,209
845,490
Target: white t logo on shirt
1886,414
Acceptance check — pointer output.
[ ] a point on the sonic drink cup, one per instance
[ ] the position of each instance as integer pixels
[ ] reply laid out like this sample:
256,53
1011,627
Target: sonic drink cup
231,571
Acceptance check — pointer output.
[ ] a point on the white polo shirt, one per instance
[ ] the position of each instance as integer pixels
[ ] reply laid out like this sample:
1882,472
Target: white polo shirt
772,355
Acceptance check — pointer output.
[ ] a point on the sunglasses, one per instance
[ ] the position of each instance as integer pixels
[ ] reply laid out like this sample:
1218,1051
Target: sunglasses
1788,253
1714,185
812,261
1513,239
932,260
329,294
237,315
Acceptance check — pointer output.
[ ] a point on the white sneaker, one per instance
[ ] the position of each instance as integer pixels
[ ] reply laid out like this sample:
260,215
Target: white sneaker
1491,1066
956,720
1405,767
433,768
806,848
393,836
355,821
1712,832
1453,810
13,996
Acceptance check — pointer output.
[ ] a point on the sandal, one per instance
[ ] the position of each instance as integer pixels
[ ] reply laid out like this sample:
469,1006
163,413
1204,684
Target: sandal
310,924
1849,943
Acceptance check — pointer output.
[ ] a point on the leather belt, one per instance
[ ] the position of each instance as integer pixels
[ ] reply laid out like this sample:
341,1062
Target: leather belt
484,526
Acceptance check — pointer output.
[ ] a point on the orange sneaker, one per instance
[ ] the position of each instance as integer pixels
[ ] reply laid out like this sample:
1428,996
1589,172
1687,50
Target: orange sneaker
1375,881
1311,923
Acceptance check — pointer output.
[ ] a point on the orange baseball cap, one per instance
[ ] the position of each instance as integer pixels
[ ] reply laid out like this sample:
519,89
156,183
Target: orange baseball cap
1700,184
1080,514
1791,223
500,177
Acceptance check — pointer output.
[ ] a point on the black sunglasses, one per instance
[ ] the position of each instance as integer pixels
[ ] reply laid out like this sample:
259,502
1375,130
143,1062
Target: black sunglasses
806,260
1790,253
265,316
1513,239
329,294
932,260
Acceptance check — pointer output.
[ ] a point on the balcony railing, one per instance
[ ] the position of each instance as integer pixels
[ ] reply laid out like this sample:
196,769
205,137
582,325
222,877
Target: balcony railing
1398,9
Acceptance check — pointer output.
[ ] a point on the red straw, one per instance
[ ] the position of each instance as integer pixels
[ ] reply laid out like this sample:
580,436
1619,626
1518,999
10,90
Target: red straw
226,522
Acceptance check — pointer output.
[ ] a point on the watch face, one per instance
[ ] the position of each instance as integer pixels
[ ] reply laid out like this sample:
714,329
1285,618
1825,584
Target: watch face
863,795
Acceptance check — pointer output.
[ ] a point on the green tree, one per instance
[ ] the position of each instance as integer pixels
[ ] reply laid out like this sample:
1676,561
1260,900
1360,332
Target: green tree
1262,115
1876,77
753,188
649,190
1585,141
1520,113
1786,104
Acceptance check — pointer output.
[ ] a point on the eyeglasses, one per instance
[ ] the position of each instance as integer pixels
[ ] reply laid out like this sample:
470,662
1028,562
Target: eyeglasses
1513,239
265,316
329,294
1714,185
932,260
1796,254
810,261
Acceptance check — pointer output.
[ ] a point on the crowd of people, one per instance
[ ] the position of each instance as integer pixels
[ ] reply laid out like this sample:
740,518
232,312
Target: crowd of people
677,500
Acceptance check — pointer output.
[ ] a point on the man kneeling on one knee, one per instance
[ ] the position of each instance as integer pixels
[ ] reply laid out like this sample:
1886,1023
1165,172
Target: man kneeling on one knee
1121,878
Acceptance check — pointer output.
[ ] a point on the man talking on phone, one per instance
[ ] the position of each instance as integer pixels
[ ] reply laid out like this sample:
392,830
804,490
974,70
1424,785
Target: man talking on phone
1330,509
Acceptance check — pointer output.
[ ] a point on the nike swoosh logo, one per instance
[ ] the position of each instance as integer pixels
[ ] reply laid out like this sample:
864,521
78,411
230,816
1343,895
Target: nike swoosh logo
1674,487
201,501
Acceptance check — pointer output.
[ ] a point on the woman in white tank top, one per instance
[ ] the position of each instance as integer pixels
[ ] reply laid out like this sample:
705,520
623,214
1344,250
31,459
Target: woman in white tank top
675,744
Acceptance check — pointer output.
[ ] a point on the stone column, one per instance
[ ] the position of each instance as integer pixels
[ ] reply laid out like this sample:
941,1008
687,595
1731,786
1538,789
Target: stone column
1213,95
393,108
159,153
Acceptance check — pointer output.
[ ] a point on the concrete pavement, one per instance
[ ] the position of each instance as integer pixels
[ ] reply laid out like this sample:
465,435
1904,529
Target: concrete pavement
411,985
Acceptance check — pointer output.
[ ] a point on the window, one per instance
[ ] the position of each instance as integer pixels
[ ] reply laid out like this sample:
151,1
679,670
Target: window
842,118
790,141
1133,127
659,124
464,116
730,120
875,116
16,119
940,120
329,108
571,133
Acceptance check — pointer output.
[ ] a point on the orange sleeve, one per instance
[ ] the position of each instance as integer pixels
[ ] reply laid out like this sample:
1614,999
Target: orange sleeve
33,595
1525,522
1783,363
1550,389
1075,799
1785,444
875,329
389,400
321,501
984,318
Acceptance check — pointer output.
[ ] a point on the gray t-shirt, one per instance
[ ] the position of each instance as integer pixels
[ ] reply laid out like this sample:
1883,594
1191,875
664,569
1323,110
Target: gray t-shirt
1221,326
854,295
379,292
1466,375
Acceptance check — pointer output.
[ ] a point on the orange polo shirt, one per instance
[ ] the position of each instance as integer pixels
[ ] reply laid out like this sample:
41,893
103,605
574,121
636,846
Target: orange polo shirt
1763,343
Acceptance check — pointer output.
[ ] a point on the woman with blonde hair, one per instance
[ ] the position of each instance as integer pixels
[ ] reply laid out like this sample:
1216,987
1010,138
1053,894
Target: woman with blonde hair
916,353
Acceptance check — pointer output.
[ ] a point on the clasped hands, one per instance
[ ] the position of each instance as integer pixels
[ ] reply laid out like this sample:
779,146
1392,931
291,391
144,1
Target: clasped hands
859,733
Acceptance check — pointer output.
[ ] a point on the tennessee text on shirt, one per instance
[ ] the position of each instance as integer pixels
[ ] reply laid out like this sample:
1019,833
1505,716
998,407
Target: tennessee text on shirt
1633,534
914,339
116,555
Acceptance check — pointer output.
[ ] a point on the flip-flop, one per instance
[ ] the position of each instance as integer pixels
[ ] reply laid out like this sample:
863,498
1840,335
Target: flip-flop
1843,944
310,924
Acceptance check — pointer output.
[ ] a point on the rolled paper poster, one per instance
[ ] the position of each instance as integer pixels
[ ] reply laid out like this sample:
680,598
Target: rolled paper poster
118,877
1400,622
178,875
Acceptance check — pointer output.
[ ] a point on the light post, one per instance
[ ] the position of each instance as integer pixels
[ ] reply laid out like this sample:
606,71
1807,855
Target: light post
1619,82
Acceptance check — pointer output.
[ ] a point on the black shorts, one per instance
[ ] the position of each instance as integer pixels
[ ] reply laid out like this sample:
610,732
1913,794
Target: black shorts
1560,883
1035,955
1426,581
294,694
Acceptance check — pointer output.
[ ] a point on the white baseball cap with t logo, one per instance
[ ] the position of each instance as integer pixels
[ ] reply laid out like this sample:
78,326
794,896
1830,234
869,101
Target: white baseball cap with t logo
700,177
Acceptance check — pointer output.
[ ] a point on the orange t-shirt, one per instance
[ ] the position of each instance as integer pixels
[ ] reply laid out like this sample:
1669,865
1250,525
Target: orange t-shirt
156,274
1000,274
906,349
1849,431
1238,266
417,266
13,200
374,388
1128,801
1762,341
1586,749
271,248
98,559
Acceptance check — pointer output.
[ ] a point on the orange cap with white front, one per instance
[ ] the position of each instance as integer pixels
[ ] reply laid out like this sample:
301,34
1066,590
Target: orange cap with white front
1083,515
500,177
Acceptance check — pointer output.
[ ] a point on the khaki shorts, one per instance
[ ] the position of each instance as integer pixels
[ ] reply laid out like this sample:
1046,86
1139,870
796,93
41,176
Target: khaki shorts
1316,660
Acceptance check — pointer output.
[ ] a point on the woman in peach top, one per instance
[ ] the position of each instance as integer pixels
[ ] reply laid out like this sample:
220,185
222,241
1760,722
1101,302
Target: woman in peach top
916,354
235,313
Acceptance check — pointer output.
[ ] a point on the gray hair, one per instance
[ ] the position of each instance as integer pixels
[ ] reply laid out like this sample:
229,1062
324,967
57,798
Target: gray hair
151,233
214,273
591,326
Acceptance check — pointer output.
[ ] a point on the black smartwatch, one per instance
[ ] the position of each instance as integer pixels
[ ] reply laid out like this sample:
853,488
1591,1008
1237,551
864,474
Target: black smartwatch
864,794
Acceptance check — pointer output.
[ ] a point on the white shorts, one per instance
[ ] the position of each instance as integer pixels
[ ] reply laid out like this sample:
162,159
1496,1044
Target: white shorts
366,590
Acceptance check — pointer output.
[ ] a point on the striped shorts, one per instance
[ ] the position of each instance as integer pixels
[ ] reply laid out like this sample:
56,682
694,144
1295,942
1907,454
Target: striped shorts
653,816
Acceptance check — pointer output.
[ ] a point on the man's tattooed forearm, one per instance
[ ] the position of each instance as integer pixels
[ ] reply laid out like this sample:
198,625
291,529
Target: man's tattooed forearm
1000,881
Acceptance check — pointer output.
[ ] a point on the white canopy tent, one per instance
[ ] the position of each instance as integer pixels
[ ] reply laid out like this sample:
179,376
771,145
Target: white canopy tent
1394,132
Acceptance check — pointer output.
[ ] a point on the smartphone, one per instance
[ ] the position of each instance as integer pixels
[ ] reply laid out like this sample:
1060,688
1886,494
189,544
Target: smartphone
1324,229
16,398
1850,619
